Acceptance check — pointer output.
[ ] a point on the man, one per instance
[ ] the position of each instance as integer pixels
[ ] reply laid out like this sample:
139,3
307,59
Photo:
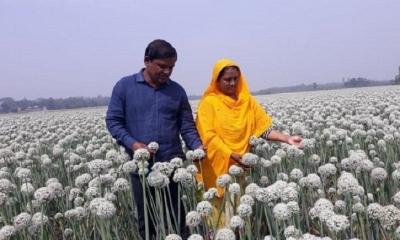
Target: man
148,106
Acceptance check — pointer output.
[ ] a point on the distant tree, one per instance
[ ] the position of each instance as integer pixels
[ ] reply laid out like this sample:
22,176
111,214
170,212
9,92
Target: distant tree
23,104
397,78
8,105
315,86
357,82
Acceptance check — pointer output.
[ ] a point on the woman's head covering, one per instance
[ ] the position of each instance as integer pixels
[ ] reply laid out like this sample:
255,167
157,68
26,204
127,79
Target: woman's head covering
225,125
242,90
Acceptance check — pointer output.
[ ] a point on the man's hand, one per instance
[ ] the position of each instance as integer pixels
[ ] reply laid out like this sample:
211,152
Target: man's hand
138,145
295,141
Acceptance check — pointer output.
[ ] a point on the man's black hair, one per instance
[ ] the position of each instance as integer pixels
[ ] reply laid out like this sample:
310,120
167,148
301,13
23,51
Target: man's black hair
160,49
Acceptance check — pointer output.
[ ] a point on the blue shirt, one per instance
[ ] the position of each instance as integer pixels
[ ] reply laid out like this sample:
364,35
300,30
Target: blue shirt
138,112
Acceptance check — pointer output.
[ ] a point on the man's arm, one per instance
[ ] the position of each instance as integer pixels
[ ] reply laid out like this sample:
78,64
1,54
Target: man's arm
186,125
115,118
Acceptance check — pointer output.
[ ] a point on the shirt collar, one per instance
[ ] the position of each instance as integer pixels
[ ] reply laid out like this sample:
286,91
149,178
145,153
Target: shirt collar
140,78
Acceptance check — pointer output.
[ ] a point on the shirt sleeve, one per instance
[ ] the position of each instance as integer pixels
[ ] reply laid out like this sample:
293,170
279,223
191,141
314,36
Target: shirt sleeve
186,124
213,142
115,118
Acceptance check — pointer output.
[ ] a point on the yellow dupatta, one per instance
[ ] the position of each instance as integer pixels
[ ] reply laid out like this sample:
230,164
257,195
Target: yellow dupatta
225,125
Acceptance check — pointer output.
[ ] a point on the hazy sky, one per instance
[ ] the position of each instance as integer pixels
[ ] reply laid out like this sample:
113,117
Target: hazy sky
61,48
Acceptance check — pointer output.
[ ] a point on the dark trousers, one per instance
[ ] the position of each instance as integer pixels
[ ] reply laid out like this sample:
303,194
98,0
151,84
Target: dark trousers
138,199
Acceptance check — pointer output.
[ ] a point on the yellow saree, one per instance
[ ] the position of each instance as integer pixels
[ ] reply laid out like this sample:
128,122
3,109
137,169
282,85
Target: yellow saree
225,125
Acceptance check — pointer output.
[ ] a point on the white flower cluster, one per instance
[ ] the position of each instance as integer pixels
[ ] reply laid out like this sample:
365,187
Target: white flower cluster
98,166
102,208
7,231
193,219
223,180
327,170
292,232
153,147
210,194
312,181
142,154
192,169
44,194
165,168
378,175
183,177
22,221
354,160
195,237
247,199
121,185
321,208
390,216
198,154
76,214
251,189
250,159
234,188
173,236
337,223
236,222
244,210
235,170
282,212
204,208
225,234
129,166
348,184
296,174
157,180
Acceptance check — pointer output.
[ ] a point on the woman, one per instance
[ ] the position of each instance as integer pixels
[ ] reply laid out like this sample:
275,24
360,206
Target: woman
227,117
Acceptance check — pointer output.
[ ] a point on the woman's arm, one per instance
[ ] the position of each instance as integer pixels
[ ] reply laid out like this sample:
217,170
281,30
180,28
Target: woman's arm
277,136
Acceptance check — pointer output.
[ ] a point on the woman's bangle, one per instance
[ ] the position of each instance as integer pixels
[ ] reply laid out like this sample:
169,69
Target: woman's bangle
266,133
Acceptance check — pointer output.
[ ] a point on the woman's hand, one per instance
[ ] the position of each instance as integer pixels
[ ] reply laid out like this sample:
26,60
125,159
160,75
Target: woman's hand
295,141
238,159
292,140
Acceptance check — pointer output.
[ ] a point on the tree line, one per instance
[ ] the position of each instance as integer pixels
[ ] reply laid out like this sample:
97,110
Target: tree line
9,105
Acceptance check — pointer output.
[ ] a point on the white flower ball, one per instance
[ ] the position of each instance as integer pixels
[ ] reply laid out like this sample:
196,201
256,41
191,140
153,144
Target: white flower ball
173,236
338,223
247,199
244,210
234,188
235,170
223,180
375,211
225,234
204,208
153,147
236,222
195,237
250,159
193,219
281,212
141,154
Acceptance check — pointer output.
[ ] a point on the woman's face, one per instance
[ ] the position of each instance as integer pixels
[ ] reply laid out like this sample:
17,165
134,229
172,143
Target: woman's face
228,82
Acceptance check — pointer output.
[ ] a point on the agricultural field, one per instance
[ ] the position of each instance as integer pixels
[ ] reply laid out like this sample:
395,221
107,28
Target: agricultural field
62,176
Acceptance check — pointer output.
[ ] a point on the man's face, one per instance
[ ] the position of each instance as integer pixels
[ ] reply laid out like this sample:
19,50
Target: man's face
159,70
